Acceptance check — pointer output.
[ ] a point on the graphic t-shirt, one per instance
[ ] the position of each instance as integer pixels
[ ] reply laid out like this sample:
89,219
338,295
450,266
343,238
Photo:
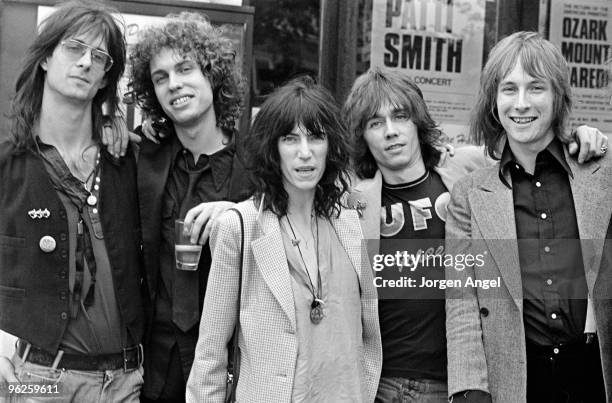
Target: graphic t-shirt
412,316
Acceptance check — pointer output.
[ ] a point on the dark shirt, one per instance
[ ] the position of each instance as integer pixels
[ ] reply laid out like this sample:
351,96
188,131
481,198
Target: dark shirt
552,271
188,184
97,328
412,320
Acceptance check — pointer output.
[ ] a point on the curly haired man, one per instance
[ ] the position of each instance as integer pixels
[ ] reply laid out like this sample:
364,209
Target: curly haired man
184,72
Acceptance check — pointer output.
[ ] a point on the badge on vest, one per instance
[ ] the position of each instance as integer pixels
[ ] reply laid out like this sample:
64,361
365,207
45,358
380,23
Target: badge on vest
47,244
38,213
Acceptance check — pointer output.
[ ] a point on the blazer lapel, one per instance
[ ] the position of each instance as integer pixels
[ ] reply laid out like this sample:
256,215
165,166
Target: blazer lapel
154,162
365,198
271,260
591,192
493,210
351,239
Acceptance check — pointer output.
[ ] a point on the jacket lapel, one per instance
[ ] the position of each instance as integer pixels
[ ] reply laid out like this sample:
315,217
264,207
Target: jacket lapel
365,198
271,261
493,210
350,238
154,162
239,186
591,193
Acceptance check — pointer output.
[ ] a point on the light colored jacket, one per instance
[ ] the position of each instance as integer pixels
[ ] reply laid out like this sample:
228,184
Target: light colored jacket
485,330
268,341
366,195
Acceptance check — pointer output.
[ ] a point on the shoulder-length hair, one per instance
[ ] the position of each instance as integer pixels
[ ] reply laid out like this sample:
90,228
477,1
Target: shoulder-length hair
371,91
300,102
69,20
190,34
540,59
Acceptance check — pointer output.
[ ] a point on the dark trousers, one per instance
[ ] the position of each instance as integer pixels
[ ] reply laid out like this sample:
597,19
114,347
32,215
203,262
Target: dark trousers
168,355
565,374
174,385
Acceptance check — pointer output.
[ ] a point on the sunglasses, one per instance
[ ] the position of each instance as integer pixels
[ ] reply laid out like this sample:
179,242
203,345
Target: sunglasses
76,49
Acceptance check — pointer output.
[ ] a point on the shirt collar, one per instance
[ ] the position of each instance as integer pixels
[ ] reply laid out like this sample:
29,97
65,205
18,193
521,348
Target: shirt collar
40,146
554,148
407,185
220,162
61,178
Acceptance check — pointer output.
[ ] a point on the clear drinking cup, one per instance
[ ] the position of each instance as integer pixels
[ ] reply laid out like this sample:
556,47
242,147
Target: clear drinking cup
187,254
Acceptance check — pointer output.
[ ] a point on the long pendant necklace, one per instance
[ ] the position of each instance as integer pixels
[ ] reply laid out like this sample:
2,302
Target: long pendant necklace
316,307
92,199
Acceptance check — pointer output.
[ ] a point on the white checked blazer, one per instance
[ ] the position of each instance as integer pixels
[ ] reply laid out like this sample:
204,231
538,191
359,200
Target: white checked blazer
268,340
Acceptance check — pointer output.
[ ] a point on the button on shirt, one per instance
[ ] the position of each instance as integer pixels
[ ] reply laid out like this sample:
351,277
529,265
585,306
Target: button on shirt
552,271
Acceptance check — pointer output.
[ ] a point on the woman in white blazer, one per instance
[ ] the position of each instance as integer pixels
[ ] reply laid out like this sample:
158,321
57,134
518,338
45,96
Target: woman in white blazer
308,311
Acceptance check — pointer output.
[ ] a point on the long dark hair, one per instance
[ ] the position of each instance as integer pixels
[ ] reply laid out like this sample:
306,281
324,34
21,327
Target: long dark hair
302,102
71,19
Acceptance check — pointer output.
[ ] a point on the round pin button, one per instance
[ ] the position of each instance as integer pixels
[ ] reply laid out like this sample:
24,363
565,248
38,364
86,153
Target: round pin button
47,244
92,200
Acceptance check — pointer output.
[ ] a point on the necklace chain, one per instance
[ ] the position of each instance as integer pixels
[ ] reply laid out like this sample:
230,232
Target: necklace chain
94,172
318,294
91,174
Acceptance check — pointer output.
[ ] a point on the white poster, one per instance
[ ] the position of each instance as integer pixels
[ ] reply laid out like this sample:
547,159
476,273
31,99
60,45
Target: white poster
583,32
439,44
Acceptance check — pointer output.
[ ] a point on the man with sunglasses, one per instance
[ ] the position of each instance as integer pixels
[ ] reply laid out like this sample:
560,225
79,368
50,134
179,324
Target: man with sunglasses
75,49
70,278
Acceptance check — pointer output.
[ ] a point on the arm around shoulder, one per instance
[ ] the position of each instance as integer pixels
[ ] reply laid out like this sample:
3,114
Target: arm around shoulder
473,156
